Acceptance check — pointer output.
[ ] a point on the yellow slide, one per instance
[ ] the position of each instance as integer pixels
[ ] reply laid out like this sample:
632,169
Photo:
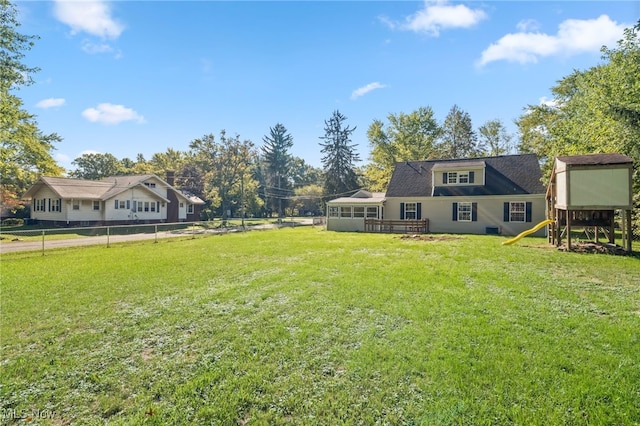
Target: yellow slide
527,232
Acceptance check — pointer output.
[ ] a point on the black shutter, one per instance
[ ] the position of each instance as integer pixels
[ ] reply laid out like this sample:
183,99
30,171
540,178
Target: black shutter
506,212
528,207
49,209
474,212
59,204
401,211
455,212
128,204
444,177
471,177
419,211
116,205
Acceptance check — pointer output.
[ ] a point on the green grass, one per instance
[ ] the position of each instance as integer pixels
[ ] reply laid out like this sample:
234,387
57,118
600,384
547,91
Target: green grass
305,326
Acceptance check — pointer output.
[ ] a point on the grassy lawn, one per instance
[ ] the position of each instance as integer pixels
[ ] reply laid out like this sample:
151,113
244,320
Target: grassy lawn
305,326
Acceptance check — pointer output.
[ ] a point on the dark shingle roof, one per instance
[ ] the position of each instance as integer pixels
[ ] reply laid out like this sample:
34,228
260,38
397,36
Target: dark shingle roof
505,175
595,159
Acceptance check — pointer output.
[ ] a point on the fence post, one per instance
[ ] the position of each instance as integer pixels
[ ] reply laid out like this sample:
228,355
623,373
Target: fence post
155,227
108,237
193,230
43,242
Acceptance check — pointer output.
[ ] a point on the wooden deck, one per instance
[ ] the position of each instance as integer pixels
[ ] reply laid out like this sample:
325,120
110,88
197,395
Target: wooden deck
398,226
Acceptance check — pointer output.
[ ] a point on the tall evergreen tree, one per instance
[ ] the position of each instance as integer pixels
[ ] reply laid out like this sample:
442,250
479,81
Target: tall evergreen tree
277,167
339,156
458,139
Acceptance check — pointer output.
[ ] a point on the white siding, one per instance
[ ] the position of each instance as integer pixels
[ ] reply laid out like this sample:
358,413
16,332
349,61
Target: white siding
48,195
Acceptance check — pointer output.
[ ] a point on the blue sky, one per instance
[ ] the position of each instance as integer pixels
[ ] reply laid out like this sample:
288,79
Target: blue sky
129,77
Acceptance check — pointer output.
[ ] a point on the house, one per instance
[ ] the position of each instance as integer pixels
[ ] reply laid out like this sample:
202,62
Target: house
586,190
501,195
112,200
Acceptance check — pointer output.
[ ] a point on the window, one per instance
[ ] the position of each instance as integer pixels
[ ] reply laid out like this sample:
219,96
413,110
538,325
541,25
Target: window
96,205
345,211
190,208
372,212
150,184
410,210
146,206
139,206
333,211
153,206
464,212
181,205
516,212
453,178
55,205
76,204
358,212
119,204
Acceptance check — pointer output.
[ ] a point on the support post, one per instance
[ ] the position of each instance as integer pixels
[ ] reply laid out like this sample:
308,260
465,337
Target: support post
629,231
43,242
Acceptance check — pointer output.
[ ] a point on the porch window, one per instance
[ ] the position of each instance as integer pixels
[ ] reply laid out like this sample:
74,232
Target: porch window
345,211
96,205
333,211
372,212
76,205
358,212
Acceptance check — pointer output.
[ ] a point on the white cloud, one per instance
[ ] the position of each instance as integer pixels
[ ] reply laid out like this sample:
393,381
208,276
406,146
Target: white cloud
50,103
92,17
366,89
574,36
107,113
439,15
528,25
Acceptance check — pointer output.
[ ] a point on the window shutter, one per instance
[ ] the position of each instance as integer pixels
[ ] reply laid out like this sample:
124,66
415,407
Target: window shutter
528,208
471,177
49,204
401,211
506,212
128,204
455,212
474,212
419,211
444,177
158,206
135,206
116,205
59,204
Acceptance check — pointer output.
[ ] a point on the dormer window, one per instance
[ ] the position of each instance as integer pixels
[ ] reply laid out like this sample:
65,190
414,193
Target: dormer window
150,184
454,178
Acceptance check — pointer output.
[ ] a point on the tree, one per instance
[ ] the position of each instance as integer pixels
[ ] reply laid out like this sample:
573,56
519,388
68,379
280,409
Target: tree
277,166
95,166
595,110
227,169
494,139
457,137
25,152
408,137
304,174
339,157
309,199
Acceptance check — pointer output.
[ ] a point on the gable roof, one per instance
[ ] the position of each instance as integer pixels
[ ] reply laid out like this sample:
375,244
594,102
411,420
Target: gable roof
105,189
360,197
504,175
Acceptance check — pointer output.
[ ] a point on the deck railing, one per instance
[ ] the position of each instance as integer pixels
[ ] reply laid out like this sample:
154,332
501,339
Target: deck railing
400,226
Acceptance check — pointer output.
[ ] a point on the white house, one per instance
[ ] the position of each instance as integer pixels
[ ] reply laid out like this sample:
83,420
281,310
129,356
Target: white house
112,200
501,194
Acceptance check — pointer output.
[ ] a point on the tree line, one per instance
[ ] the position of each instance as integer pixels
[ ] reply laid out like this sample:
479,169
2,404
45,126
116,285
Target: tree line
593,110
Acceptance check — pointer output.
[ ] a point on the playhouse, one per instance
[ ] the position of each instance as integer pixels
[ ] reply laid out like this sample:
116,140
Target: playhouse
585,191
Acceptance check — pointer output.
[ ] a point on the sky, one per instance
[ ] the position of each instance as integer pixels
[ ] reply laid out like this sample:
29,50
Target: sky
139,77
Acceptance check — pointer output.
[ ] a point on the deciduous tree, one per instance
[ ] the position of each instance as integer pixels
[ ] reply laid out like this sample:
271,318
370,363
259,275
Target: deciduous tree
25,152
